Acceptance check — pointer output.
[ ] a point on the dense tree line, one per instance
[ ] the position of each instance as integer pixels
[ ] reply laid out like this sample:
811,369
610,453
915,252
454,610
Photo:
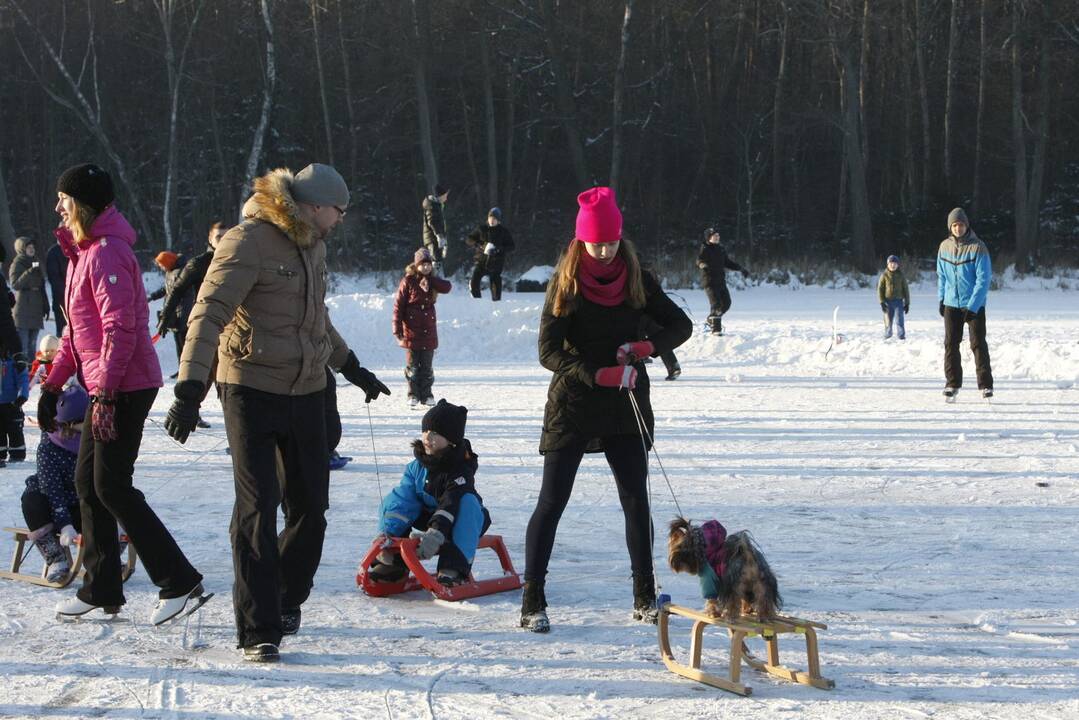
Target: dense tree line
833,130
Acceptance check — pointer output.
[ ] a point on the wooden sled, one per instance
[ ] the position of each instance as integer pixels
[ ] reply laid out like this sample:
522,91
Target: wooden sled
739,629
419,577
18,557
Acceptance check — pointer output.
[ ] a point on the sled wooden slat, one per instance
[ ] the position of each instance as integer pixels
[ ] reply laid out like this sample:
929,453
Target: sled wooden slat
740,629
22,538
419,577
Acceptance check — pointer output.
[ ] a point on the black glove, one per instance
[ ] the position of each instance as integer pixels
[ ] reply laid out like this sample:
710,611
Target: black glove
20,401
363,378
46,407
20,361
942,308
162,327
184,413
884,307
906,308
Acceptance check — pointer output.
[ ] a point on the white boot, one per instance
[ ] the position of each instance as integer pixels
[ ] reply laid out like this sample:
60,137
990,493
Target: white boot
73,608
174,607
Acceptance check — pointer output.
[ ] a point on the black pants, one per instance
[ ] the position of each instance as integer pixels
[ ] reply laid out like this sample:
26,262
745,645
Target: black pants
179,335
954,319
496,281
58,318
12,439
37,511
275,571
626,457
719,297
333,418
103,479
420,373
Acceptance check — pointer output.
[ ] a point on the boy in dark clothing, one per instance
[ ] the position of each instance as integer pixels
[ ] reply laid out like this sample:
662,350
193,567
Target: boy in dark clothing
438,497
14,389
714,263
491,242
434,225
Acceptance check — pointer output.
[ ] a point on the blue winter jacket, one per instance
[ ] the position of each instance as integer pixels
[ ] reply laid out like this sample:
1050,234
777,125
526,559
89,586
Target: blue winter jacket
14,380
446,495
963,272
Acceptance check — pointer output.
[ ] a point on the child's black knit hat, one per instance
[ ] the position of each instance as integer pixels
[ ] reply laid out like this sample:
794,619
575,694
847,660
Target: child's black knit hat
447,420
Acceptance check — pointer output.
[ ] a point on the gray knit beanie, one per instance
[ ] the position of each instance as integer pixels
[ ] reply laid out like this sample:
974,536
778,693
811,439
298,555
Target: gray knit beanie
319,184
957,215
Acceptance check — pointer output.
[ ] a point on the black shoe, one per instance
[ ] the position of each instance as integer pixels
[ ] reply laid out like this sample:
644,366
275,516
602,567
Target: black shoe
393,571
174,375
200,423
987,392
674,373
290,621
644,599
533,608
451,578
262,653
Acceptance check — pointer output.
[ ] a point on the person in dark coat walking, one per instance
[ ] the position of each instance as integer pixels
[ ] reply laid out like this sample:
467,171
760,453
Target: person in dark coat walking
189,277
55,271
491,241
590,340
714,263
31,301
434,225
415,324
176,319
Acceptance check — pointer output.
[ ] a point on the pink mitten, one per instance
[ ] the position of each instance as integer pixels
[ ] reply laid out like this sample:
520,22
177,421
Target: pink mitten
631,352
619,376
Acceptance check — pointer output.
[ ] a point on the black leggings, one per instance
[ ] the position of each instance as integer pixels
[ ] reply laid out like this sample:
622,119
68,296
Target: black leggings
626,457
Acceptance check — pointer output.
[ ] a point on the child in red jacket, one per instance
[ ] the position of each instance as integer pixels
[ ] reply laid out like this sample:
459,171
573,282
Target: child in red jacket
415,325
47,348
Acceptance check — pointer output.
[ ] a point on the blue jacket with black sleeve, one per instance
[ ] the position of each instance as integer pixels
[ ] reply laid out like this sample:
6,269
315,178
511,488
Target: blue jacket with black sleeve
964,271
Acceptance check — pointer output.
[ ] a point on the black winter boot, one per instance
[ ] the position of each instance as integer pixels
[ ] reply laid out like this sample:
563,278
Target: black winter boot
533,608
644,599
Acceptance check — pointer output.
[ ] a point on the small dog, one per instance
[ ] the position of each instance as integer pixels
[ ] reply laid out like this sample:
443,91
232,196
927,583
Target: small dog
746,584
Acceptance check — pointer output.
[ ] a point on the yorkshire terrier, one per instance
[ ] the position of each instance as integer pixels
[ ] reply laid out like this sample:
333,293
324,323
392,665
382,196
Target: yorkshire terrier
744,583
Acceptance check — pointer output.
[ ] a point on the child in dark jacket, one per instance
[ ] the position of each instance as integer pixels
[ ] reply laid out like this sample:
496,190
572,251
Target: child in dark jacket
14,389
415,325
50,504
437,496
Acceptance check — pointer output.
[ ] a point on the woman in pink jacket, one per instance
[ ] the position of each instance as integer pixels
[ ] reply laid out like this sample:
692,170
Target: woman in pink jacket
107,346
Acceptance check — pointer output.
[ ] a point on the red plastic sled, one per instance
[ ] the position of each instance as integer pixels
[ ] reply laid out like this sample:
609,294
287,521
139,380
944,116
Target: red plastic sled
419,577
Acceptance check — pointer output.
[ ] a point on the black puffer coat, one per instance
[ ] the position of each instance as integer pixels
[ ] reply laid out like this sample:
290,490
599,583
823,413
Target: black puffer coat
574,347
716,264
497,235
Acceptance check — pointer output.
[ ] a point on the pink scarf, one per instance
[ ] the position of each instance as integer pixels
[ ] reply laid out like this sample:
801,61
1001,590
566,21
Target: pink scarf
603,284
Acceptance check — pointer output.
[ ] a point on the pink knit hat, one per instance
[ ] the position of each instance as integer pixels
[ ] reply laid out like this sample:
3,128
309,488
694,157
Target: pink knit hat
599,220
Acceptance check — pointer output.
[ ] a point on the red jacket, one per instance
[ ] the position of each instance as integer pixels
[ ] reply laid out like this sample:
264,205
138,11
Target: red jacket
414,322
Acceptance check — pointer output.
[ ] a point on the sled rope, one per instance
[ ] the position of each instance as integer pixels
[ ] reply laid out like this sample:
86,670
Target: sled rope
374,452
644,434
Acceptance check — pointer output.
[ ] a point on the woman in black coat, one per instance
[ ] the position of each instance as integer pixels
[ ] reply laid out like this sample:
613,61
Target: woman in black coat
590,339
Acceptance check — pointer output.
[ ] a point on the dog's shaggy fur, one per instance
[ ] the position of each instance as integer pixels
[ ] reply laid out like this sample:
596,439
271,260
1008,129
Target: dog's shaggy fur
747,586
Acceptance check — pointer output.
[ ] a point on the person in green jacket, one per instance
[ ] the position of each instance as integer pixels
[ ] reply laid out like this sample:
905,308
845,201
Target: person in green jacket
894,297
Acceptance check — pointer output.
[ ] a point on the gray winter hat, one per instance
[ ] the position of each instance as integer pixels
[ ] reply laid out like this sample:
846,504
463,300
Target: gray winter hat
957,215
319,184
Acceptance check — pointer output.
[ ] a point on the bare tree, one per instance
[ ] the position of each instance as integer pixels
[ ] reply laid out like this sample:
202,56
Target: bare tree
7,232
322,82
91,115
567,108
166,13
489,116
269,82
949,93
923,96
420,38
616,102
979,130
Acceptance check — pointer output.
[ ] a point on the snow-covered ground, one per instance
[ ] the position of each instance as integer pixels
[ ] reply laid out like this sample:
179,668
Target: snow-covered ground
938,542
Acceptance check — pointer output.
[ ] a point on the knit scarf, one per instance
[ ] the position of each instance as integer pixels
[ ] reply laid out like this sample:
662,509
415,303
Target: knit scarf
603,284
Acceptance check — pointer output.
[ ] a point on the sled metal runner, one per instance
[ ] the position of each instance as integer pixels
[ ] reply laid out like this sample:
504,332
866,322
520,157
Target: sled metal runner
419,578
741,628
18,557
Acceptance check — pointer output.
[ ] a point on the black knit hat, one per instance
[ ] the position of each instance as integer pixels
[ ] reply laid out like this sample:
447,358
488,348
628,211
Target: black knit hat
447,420
88,184
441,190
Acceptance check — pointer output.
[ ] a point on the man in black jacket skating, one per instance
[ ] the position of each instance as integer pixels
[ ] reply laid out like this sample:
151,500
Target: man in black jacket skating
714,263
491,241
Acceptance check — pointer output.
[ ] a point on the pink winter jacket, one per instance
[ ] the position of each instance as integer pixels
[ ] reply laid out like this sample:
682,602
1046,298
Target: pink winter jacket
107,339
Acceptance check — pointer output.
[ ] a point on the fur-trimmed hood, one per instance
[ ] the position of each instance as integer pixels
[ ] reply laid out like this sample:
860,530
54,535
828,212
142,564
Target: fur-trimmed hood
273,202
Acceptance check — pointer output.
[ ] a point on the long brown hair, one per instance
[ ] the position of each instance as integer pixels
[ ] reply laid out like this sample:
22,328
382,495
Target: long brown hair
82,220
564,288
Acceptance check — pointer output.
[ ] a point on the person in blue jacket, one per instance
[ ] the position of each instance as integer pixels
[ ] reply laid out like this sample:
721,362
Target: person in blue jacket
14,389
437,496
963,274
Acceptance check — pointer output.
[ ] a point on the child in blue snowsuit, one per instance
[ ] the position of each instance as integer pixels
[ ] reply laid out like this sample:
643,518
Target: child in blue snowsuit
437,496
50,504
14,389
